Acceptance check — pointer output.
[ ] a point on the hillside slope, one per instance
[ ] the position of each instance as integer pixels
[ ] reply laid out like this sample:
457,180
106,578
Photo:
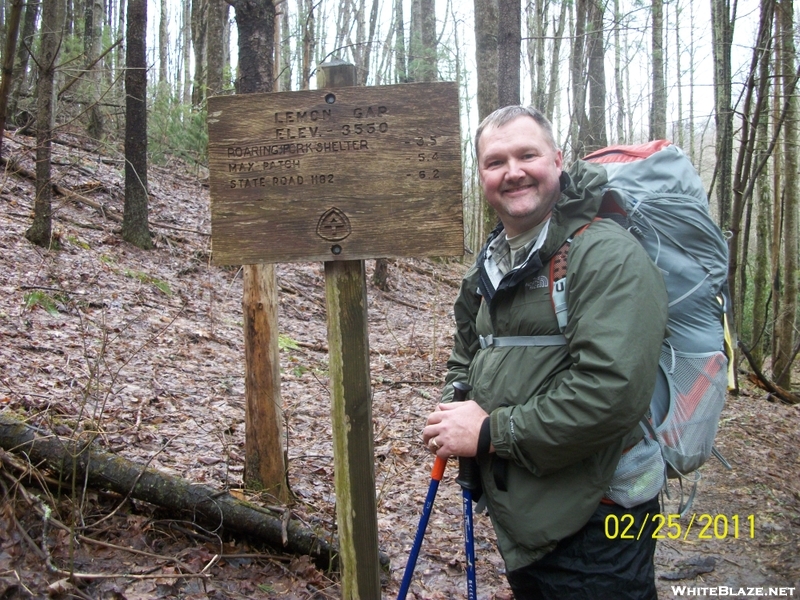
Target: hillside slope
146,348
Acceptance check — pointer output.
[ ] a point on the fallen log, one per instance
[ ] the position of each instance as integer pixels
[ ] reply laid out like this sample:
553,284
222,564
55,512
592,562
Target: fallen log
758,378
213,508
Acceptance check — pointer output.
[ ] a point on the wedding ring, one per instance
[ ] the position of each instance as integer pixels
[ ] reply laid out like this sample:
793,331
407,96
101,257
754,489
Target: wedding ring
434,443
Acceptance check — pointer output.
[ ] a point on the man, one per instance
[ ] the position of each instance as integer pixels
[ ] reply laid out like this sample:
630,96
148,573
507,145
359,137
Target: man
551,414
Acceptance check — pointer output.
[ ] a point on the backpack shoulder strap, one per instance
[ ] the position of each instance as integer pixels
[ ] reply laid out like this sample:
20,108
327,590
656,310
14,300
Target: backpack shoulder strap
558,279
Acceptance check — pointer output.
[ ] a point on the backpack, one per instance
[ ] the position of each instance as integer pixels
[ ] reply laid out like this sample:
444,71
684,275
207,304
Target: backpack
654,191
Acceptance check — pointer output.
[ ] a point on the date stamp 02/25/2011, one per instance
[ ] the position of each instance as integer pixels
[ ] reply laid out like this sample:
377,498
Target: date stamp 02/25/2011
695,527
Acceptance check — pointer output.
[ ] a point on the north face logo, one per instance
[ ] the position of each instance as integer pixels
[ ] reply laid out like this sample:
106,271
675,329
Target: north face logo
537,283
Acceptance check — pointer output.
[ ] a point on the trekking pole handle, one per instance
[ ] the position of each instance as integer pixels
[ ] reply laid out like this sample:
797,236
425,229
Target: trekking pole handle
467,467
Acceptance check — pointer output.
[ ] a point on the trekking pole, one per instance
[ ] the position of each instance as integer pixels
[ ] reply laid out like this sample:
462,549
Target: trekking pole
436,476
459,395
468,480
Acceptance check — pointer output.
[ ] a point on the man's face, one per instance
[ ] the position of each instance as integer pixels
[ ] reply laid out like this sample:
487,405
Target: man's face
519,171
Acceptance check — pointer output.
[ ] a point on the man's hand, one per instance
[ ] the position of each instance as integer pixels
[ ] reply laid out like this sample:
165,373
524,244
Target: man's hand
453,429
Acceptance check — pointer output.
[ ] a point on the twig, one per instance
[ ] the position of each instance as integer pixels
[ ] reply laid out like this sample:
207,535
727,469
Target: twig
397,300
17,524
214,560
176,561
409,266
44,554
257,556
27,538
95,576
89,67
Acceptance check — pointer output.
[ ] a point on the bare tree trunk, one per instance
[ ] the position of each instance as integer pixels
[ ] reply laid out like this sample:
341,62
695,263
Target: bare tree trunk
215,65
486,55
486,59
8,64
553,90
761,267
508,52
2,24
428,29
342,27
265,466
72,21
284,51
679,74
109,63
358,46
93,30
658,106
309,42
21,62
422,60
186,35
363,72
619,83
135,219
777,197
691,82
536,19
751,109
226,45
383,64
722,36
119,54
163,44
199,32
264,459
786,318
401,73
381,274
40,230
596,137
280,63
629,91
579,120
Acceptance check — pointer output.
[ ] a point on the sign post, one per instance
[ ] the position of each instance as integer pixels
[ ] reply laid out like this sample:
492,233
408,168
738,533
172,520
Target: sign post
340,174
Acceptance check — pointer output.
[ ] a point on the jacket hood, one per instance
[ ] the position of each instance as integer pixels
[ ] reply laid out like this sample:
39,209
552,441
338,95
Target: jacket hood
582,192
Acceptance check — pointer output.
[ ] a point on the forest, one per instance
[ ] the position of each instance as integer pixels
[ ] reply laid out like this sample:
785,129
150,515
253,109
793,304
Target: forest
717,80
123,339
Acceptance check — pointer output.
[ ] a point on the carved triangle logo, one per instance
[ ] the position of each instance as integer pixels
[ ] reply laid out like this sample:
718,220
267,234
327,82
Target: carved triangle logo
334,225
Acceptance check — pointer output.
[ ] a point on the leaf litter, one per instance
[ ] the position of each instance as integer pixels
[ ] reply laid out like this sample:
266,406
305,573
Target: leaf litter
145,349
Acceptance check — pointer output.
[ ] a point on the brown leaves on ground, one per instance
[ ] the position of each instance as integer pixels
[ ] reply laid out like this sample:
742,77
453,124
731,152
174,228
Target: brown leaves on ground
144,350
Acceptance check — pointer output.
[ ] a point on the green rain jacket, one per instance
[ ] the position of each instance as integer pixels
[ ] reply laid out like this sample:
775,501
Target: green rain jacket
561,416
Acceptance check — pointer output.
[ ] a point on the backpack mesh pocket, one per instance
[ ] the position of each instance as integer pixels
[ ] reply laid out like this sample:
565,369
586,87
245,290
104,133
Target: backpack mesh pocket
698,384
639,475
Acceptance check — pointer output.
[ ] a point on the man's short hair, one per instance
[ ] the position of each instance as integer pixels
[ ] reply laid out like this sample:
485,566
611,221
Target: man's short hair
508,113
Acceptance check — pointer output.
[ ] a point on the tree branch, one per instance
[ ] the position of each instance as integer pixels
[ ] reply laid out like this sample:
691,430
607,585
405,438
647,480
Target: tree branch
762,381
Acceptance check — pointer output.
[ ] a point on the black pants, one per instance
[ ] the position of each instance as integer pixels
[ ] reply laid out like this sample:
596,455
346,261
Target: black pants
597,562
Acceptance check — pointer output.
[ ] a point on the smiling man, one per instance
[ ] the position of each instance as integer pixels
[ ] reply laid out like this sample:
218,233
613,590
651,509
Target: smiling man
552,410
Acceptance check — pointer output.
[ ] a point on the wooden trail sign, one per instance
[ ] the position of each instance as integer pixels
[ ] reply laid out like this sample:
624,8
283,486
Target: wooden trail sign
340,173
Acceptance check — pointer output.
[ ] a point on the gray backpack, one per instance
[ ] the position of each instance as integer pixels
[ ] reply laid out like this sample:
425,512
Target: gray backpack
654,191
